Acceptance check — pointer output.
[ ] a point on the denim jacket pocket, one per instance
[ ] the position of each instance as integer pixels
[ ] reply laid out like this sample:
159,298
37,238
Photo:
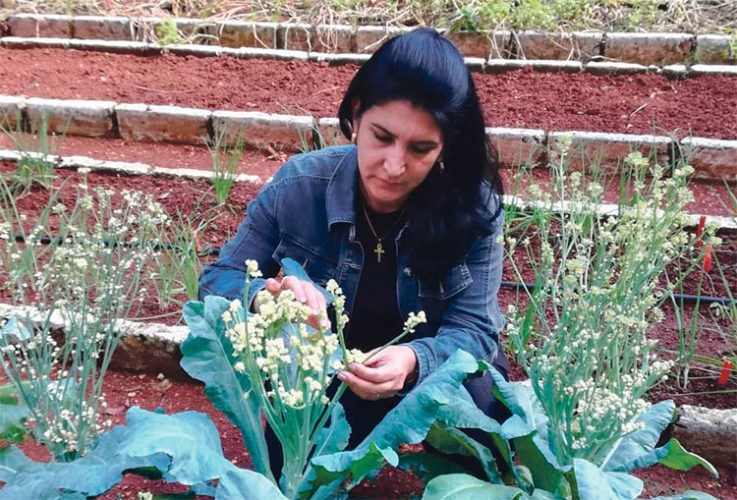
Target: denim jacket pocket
319,267
455,281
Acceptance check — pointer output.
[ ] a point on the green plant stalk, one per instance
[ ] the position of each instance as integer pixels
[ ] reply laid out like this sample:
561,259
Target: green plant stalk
295,422
89,300
559,286
225,172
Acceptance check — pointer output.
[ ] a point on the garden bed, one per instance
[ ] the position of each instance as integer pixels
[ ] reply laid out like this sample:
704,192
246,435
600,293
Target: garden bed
126,389
184,196
149,391
630,104
643,103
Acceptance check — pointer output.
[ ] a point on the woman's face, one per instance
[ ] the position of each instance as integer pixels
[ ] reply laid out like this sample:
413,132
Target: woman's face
398,144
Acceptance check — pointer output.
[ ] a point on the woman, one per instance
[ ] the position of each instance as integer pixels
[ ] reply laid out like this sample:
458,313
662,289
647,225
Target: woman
404,220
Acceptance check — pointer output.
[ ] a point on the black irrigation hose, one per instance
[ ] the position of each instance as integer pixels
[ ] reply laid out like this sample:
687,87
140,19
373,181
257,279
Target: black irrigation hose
506,284
45,240
678,296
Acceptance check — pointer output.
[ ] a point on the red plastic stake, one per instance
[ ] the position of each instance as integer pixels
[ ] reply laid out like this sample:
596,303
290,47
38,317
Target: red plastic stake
724,374
707,259
700,230
196,241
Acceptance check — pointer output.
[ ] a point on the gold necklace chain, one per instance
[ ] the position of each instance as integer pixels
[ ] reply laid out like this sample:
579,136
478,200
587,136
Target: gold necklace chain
379,250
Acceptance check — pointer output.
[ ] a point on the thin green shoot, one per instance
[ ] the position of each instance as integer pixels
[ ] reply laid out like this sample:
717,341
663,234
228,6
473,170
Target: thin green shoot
226,163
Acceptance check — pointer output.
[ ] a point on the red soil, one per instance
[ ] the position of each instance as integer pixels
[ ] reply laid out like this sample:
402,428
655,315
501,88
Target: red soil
125,389
704,106
196,198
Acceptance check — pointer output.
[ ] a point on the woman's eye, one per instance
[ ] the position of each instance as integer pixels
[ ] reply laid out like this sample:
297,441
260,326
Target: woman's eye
421,150
383,138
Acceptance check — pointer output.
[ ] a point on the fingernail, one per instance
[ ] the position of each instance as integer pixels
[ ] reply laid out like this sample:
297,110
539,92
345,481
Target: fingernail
302,298
325,324
314,311
352,366
342,376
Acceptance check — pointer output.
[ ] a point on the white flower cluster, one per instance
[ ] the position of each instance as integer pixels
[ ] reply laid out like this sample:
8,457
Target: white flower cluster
86,277
587,350
63,426
338,302
413,320
267,352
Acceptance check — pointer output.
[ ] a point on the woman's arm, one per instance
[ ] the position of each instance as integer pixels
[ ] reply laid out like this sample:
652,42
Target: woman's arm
257,237
472,320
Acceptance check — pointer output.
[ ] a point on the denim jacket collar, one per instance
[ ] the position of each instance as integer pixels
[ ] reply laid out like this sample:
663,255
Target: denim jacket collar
341,191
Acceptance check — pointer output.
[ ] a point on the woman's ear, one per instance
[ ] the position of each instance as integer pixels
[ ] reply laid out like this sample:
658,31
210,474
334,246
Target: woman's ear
355,106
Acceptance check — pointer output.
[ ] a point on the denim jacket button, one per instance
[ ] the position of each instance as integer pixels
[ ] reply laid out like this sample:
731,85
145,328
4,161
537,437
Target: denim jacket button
408,272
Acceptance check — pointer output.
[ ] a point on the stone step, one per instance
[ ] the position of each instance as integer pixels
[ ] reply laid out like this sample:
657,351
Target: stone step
712,158
75,162
475,64
660,49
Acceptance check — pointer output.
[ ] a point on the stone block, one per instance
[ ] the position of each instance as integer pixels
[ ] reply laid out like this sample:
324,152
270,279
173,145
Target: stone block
141,122
711,158
609,150
485,44
279,55
11,111
294,36
339,59
151,348
712,69
517,146
614,68
475,64
370,38
102,28
336,39
264,130
579,46
188,49
660,49
330,134
40,25
116,47
77,117
245,34
198,31
189,30
716,49
710,433
675,71
32,43
504,65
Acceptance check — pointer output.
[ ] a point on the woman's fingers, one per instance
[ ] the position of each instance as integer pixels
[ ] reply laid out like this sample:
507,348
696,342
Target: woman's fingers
371,383
306,293
365,389
383,375
273,286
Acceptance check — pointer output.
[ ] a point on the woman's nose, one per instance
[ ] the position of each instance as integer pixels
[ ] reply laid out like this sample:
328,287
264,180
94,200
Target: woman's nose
395,162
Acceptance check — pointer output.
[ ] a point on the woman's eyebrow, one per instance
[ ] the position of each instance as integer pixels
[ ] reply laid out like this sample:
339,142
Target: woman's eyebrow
381,129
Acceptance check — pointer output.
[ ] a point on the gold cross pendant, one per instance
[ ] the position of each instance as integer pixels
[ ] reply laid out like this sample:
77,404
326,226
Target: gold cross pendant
378,251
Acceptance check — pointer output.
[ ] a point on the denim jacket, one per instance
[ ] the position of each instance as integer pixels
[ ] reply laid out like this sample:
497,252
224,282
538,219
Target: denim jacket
307,213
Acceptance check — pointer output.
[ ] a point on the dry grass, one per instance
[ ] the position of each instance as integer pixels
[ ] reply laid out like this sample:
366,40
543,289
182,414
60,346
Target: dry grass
696,16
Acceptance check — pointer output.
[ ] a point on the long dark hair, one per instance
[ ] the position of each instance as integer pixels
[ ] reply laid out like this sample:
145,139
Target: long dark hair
443,213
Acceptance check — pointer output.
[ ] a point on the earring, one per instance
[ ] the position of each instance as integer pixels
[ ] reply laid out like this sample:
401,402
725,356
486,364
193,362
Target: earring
441,166
353,138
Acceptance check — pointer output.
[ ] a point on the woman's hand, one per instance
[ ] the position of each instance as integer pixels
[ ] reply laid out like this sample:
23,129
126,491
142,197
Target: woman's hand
306,293
383,375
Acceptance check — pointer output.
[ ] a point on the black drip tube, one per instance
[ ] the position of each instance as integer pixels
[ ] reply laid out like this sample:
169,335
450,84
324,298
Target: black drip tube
506,284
